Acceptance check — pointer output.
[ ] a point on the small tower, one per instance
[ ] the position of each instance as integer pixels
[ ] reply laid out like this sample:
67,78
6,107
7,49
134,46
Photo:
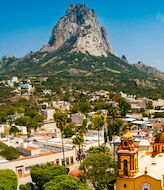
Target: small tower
127,156
158,145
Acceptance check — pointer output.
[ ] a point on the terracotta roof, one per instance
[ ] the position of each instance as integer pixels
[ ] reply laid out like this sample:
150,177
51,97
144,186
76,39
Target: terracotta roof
4,141
31,148
34,156
153,139
43,134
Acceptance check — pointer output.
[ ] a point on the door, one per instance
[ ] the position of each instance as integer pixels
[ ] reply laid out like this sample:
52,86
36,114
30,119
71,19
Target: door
20,173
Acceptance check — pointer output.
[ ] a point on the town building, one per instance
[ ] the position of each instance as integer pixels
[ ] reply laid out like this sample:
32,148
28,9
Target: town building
48,114
36,152
60,105
78,118
140,170
25,86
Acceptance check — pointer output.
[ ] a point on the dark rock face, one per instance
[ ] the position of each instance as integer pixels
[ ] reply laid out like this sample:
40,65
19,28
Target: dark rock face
80,23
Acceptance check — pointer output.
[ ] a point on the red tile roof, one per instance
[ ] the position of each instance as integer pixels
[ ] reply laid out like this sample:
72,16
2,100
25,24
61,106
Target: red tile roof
34,156
31,148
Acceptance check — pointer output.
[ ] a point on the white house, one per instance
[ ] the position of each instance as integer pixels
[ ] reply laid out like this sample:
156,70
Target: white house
48,114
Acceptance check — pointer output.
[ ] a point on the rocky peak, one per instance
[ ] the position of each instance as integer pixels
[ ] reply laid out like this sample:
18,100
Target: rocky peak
149,70
124,58
79,30
7,60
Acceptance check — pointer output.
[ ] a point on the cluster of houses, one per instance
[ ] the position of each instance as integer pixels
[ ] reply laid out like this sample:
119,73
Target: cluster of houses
44,145
21,85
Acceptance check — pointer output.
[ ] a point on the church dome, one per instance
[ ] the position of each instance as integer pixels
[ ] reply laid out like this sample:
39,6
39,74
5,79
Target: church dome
127,135
160,138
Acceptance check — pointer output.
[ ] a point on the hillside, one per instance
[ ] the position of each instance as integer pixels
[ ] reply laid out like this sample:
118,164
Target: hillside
149,70
79,54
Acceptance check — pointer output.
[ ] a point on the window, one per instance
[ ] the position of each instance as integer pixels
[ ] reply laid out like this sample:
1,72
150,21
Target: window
67,161
145,186
135,163
63,162
155,148
28,168
71,160
124,185
57,161
125,167
162,149
125,143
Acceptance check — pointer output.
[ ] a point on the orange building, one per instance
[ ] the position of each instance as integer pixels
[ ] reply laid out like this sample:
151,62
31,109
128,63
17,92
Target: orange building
139,170
127,156
158,145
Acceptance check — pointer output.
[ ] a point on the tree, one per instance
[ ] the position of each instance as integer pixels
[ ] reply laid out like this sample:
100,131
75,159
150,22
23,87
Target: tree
65,182
117,126
84,107
68,131
3,146
28,186
21,121
113,112
103,149
75,109
78,140
149,105
124,106
114,129
98,123
23,187
29,122
82,129
99,170
8,180
3,117
42,174
14,130
61,121
10,153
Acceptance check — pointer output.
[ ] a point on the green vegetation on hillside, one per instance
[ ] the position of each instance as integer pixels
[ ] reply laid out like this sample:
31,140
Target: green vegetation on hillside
77,70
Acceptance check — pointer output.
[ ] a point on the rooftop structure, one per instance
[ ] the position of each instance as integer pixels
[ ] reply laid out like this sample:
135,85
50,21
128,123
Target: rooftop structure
140,169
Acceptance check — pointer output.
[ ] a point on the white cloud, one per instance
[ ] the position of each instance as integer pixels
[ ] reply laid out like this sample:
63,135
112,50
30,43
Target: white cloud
160,17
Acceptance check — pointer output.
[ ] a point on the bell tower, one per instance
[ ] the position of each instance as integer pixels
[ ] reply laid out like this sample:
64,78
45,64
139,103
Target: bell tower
127,156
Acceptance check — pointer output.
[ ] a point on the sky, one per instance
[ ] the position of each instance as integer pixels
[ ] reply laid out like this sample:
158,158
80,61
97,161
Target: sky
135,27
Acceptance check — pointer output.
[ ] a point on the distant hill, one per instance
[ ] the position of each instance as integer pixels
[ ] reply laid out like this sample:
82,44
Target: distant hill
79,54
149,70
7,60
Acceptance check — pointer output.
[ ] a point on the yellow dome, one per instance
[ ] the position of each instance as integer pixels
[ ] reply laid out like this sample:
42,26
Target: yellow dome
127,135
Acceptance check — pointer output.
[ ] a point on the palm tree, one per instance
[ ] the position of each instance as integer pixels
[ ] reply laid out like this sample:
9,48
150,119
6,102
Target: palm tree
78,140
80,132
61,122
98,123
14,130
113,112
